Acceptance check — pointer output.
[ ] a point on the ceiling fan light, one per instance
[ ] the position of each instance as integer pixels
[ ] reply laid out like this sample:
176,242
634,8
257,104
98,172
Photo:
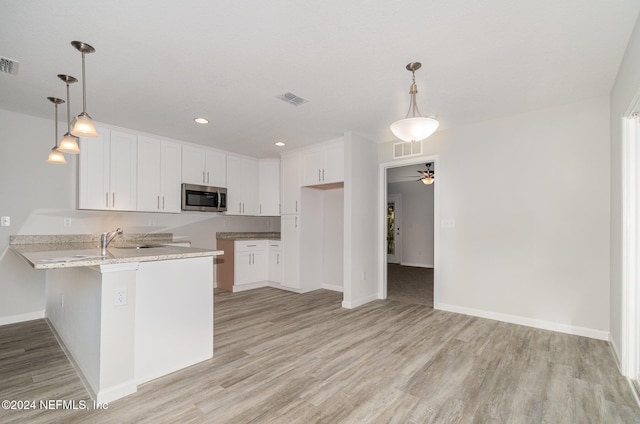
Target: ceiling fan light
69,144
56,157
427,180
414,129
84,127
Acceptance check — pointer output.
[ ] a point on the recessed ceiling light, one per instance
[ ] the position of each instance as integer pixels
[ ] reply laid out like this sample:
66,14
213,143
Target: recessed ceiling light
279,143
201,120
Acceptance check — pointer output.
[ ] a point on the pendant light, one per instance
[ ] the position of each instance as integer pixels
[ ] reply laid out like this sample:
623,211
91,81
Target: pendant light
84,125
69,143
414,127
55,156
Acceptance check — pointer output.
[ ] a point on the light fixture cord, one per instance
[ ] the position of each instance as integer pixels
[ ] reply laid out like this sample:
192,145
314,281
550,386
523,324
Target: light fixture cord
55,135
413,106
84,88
68,112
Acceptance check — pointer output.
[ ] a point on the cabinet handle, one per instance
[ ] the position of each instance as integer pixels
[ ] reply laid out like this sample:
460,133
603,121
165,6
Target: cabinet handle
106,199
251,245
203,180
319,175
239,207
296,222
322,174
113,203
162,202
277,259
242,207
158,202
207,177
296,206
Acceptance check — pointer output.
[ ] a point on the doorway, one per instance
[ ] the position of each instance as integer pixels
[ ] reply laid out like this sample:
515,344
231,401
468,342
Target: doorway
394,223
406,256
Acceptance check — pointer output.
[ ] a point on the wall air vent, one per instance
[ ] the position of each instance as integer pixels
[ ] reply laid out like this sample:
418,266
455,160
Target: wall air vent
9,66
292,99
407,148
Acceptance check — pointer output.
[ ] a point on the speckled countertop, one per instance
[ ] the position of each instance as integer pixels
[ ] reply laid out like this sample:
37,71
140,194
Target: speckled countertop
80,250
248,236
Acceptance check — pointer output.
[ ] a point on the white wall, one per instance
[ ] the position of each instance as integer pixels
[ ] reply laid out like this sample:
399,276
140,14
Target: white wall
417,222
37,196
529,195
626,87
360,221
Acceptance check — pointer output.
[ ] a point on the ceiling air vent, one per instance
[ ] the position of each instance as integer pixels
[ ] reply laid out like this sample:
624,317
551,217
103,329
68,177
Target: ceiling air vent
9,66
292,99
407,148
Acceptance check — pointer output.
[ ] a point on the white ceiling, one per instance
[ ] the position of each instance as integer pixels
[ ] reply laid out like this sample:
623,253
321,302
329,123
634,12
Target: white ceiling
159,64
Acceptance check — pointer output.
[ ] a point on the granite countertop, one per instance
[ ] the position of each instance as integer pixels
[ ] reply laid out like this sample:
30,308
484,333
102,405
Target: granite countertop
67,251
248,236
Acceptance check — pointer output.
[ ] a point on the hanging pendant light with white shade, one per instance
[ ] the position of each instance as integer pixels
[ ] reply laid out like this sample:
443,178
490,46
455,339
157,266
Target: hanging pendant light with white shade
414,127
69,143
56,156
83,126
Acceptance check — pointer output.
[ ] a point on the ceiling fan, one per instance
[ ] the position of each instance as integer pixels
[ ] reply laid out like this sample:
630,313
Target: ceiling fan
428,176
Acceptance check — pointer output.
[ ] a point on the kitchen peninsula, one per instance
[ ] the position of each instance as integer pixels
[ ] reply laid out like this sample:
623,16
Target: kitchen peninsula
143,310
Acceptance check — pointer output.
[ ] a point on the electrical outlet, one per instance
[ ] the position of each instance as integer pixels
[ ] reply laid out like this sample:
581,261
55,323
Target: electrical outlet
5,221
67,222
448,223
120,297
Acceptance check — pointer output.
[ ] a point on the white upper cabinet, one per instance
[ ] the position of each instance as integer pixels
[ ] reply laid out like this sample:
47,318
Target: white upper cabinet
159,176
269,187
107,171
242,186
290,187
324,164
203,166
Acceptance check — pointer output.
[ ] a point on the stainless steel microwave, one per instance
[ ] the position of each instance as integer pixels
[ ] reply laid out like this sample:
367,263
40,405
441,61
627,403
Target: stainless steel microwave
203,198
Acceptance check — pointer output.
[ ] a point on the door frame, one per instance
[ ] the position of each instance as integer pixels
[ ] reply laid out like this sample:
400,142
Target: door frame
630,314
382,222
397,200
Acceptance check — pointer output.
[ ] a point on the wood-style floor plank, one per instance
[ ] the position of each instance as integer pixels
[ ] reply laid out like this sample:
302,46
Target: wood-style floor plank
282,357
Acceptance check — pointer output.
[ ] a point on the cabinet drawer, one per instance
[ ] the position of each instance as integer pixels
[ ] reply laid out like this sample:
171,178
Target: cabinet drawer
246,245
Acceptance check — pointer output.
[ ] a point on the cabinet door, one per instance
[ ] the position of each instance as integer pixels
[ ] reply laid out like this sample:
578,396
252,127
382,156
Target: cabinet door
334,163
234,185
290,233
93,171
243,267
193,165
250,178
149,174
242,186
171,160
275,262
290,191
124,154
312,167
215,168
269,187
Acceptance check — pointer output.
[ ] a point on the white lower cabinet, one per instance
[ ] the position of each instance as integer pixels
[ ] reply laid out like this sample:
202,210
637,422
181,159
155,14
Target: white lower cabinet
290,236
250,261
275,261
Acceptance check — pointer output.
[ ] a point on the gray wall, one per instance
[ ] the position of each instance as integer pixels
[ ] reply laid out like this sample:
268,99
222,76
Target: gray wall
38,196
626,87
529,195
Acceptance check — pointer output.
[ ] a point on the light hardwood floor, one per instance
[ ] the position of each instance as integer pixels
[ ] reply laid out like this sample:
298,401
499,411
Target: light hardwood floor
287,358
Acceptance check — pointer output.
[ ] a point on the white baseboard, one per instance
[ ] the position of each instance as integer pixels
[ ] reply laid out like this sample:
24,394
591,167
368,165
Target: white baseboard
529,322
333,287
359,302
417,265
13,319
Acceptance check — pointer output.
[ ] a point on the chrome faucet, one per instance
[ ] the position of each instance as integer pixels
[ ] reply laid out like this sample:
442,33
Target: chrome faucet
106,238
